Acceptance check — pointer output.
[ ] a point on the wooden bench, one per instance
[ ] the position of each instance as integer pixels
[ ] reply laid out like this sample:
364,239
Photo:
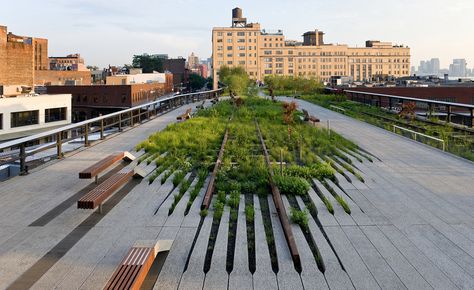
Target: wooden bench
201,106
94,170
310,118
185,116
96,197
132,271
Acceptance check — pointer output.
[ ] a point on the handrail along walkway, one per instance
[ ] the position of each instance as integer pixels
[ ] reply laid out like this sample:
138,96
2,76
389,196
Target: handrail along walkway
125,118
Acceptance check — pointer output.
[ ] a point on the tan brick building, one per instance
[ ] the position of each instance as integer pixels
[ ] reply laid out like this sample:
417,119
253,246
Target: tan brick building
20,56
264,53
24,61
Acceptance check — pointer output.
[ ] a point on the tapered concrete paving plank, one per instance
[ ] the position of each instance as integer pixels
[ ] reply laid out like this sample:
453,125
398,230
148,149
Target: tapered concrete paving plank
193,217
341,216
27,252
404,270
335,275
372,258
375,215
264,277
357,215
193,277
311,276
432,274
173,267
177,217
287,276
455,273
326,218
217,277
465,230
92,246
448,247
241,278
357,270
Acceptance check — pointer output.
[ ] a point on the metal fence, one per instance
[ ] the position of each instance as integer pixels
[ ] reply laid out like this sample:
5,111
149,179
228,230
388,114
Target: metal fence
18,150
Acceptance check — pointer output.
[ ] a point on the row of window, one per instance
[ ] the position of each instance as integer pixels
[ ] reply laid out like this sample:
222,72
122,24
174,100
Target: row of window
240,33
27,118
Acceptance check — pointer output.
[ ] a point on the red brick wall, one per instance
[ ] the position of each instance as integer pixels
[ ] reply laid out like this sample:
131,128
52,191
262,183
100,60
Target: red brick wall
463,95
45,77
16,61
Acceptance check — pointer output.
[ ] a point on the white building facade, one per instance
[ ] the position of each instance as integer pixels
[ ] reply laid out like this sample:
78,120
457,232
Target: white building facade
28,114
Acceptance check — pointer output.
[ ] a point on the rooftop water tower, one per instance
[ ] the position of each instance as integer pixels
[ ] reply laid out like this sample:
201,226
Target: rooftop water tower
237,19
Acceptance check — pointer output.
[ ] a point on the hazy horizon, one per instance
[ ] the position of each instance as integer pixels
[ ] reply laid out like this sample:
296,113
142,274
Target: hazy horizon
105,33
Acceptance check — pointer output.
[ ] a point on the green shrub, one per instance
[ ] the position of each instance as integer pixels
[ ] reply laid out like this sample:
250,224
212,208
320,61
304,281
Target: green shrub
218,209
292,185
249,213
323,170
178,177
328,204
184,187
299,217
203,213
234,199
221,197
343,203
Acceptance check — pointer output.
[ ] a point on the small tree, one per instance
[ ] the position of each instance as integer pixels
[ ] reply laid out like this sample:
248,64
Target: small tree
288,112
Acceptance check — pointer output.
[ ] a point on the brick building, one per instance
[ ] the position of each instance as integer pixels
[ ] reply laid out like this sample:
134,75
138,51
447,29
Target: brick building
20,57
464,95
262,53
24,61
91,101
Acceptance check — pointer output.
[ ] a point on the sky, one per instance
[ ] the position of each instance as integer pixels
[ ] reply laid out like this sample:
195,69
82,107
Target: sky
111,31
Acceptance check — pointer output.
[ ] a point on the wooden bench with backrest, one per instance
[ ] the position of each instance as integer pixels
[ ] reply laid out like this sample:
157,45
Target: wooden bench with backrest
185,116
310,118
94,170
132,271
201,106
97,196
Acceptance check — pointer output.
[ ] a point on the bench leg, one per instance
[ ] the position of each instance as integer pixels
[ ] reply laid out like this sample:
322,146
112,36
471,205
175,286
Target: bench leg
100,208
96,179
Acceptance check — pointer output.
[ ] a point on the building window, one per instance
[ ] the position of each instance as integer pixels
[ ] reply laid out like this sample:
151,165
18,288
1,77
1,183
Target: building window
241,47
26,118
229,40
219,48
240,33
267,52
219,40
219,33
242,62
229,33
229,62
55,114
229,48
241,40
241,54
268,72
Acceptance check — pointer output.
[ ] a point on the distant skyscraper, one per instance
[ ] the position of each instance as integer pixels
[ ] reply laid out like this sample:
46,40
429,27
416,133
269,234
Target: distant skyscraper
193,61
435,66
458,68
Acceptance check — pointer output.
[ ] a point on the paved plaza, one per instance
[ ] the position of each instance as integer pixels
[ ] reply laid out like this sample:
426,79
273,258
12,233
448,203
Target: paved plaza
411,224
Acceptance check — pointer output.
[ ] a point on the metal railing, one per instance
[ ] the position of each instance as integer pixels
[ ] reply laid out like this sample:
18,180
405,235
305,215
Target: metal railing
415,134
18,149
391,101
336,108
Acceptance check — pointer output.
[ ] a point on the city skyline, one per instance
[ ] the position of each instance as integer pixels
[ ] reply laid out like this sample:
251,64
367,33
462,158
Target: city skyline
157,29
